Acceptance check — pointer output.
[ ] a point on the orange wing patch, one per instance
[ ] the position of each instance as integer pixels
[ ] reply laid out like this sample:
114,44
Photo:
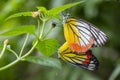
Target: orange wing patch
76,47
88,57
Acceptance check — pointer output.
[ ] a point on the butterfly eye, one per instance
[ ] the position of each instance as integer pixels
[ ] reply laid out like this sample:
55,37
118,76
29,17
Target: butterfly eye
68,15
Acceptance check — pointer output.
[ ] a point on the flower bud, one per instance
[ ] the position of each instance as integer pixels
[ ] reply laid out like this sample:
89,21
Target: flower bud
6,41
35,14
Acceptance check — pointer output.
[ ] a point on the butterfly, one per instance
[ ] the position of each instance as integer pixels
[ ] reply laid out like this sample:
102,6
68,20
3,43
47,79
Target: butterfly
82,35
85,60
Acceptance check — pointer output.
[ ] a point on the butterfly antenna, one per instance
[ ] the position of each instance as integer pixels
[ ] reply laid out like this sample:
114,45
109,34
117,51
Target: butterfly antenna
67,11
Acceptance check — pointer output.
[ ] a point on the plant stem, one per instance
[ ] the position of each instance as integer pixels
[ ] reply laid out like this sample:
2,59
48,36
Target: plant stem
40,35
3,50
24,45
38,27
48,32
42,30
29,52
12,52
9,65
19,58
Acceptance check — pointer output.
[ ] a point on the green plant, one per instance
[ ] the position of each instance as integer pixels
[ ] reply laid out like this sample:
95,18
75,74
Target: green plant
46,46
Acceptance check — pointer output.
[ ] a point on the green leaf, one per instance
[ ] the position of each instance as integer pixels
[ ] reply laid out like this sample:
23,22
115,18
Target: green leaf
115,73
46,61
47,47
59,9
19,14
41,9
19,30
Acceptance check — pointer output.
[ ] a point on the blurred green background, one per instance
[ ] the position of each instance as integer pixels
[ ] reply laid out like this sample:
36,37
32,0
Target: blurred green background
105,14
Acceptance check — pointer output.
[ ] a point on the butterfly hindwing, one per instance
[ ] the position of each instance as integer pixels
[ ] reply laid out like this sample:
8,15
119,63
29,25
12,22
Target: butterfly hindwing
92,64
85,60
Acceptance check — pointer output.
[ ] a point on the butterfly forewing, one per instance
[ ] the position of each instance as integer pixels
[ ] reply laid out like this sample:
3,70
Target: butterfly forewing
79,40
98,36
82,35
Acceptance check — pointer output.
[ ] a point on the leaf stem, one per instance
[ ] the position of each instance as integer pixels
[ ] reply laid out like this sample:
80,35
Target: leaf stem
9,65
48,32
29,52
19,58
12,52
42,30
3,50
38,27
24,45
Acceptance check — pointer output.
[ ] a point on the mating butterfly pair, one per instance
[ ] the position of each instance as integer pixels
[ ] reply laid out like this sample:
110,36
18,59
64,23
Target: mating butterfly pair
80,37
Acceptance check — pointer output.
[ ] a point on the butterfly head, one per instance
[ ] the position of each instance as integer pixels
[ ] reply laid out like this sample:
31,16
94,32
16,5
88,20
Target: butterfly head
65,18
